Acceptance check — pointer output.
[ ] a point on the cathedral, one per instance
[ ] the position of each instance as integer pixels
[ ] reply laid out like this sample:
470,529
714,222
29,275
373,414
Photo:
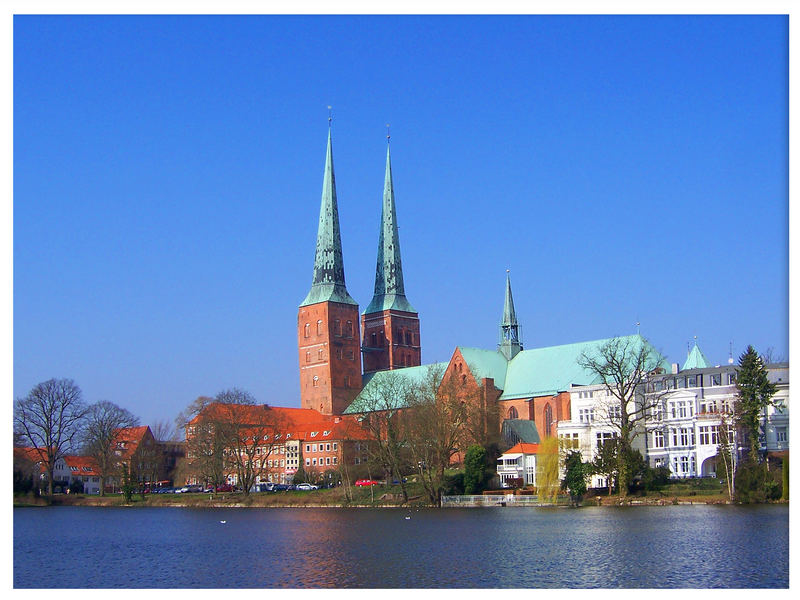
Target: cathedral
529,387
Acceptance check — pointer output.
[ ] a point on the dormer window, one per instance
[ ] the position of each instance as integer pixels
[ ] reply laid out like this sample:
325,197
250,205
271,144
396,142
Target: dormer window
314,433
326,433
288,435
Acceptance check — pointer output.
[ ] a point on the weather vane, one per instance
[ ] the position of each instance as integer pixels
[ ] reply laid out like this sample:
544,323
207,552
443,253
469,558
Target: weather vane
330,117
387,132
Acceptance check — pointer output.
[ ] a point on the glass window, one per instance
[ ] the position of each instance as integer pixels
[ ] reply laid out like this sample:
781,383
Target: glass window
716,379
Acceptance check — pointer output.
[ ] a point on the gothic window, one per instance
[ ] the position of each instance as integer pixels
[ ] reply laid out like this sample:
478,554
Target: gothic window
308,356
408,338
374,338
316,381
319,327
307,330
548,420
512,413
320,354
349,329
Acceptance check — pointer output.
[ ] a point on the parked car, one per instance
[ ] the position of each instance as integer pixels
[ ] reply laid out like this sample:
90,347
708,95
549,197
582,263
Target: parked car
225,487
280,487
306,486
191,489
367,482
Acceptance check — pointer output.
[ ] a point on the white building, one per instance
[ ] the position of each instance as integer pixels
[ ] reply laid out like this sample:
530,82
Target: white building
518,464
682,431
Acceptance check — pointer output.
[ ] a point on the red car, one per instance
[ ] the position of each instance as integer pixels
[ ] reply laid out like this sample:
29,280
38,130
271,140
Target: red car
225,487
362,482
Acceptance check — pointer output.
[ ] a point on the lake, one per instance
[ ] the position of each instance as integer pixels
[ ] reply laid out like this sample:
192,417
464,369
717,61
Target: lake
700,546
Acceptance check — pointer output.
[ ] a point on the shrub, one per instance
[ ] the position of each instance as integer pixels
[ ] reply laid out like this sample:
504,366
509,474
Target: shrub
453,485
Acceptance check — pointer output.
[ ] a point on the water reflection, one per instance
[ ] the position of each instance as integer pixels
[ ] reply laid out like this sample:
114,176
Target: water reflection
592,547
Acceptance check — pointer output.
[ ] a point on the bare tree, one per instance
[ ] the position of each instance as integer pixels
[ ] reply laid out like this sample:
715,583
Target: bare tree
49,419
385,424
726,455
164,431
435,425
624,365
204,446
250,434
103,421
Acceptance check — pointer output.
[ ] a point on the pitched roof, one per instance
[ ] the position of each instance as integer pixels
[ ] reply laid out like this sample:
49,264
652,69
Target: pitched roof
523,448
550,370
486,363
695,359
129,438
374,382
85,465
523,430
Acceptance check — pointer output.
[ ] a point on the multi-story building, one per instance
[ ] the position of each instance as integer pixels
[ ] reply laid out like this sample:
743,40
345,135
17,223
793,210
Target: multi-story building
687,409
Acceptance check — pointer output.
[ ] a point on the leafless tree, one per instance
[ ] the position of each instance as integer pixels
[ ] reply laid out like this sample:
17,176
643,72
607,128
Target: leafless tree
383,419
164,431
435,424
49,418
624,366
250,436
103,421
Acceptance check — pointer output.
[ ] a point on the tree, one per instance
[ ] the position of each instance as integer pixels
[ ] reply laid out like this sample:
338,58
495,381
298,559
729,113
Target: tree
575,476
435,425
474,469
164,431
103,421
204,446
385,424
605,462
547,463
248,432
624,365
49,419
725,455
755,392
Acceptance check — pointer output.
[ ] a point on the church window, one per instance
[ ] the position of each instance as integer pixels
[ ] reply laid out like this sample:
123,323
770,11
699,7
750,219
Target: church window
548,420
408,338
307,330
337,327
512,413
349,329
316,381
374,338
308,356
320,354
319,327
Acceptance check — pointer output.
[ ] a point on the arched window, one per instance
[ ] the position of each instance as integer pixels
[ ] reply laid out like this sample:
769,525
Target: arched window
307,330
316,381
408,338
320,354
548,420
349,329
319,327
374,338
308,356
512,413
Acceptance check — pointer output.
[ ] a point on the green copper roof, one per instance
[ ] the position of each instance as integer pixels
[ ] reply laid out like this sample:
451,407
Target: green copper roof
520,430
696,359
486,363
328,283
510,344
550,370
389,289
374,381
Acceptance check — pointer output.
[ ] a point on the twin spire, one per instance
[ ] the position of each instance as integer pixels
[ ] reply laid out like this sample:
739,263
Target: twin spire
328,284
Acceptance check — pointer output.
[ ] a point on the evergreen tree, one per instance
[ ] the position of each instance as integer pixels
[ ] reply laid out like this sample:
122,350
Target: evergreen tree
755,394
575,477
474,468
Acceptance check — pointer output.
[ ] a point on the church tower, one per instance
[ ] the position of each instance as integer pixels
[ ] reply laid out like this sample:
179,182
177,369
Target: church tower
327,320
390,324
510,342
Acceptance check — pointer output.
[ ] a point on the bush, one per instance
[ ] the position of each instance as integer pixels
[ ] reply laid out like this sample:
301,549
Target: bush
453,485
474,469
755,483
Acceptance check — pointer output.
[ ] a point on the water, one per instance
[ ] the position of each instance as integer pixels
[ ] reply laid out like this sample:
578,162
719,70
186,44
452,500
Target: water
606,547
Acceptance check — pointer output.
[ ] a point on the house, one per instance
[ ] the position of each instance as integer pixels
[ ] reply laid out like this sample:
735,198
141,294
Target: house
517,466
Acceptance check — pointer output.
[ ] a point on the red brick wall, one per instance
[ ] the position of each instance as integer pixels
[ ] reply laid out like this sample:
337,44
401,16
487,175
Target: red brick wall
396,341
330,352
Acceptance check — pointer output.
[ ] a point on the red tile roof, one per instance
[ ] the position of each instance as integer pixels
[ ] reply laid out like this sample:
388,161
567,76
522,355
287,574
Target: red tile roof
523,448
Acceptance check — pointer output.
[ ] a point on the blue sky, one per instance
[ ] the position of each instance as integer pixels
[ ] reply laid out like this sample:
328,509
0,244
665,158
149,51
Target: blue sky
168,171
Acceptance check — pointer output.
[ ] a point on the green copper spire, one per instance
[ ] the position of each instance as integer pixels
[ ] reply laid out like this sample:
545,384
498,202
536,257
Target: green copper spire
510,343
328,284
695,359
389,290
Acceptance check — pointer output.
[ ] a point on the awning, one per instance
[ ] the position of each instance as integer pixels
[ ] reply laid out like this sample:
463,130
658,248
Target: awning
511,456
